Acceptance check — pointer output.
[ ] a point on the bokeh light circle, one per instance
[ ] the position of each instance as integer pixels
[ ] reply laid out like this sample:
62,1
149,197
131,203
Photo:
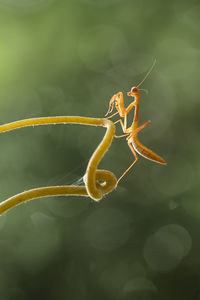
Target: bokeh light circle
24,5
176,179
140,288
165,249
192,206
101,2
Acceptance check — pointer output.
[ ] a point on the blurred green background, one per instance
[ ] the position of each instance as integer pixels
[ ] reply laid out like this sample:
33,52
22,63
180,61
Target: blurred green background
64,57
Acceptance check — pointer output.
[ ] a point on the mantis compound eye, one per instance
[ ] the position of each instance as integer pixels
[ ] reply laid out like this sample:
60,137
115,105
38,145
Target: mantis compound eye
134,90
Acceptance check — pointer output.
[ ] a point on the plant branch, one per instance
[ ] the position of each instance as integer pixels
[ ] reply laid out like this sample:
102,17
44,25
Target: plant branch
97,182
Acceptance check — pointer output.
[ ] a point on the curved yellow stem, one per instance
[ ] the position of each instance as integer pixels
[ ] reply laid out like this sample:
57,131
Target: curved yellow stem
97,182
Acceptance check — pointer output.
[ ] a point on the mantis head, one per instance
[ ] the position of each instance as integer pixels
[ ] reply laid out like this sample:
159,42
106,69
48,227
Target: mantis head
133,92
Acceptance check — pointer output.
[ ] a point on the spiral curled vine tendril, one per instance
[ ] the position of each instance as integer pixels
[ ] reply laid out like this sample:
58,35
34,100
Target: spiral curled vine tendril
97,182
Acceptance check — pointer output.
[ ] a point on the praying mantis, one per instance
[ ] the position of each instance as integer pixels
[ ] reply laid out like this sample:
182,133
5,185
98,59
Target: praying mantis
131,132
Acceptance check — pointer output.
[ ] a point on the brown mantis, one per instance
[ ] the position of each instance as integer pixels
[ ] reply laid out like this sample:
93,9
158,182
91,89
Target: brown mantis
132,132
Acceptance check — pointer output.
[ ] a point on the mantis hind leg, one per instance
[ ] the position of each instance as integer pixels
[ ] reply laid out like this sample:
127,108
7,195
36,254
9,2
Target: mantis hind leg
136,158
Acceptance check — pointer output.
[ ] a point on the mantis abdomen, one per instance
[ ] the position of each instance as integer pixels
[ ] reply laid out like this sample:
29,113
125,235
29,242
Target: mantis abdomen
145,152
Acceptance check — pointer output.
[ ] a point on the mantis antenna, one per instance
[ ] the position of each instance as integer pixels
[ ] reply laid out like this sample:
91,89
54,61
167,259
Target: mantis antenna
145,90
145,77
